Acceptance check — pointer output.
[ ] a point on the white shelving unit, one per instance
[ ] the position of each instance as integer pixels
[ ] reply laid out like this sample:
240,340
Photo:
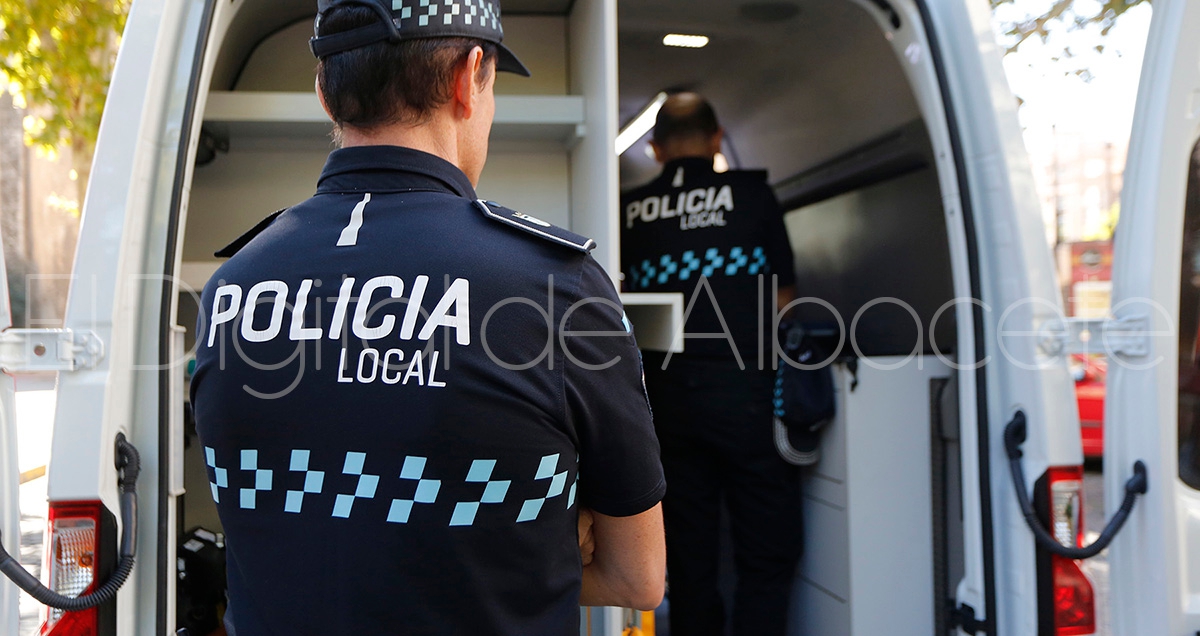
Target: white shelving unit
268,114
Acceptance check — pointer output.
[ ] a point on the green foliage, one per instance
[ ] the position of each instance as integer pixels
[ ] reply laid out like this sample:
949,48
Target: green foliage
1071,13
56,58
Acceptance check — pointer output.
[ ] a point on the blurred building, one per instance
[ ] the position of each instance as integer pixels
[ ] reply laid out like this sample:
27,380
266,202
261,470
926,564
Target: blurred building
1079,179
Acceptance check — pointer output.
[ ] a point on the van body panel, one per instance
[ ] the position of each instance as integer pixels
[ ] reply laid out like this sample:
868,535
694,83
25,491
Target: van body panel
1019,296
1155,560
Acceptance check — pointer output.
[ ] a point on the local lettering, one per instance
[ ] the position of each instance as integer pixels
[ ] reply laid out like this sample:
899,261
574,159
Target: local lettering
702,207
373,310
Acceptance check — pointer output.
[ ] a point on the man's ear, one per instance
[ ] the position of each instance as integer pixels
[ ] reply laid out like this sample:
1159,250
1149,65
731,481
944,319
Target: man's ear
466,88
659,155
715,141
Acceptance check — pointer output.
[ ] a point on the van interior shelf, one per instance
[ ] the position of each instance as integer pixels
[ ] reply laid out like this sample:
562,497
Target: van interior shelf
298,115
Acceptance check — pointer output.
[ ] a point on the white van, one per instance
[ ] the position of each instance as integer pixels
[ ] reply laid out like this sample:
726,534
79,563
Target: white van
891,136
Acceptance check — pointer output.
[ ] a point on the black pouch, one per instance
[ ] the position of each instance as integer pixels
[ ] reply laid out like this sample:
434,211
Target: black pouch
804,397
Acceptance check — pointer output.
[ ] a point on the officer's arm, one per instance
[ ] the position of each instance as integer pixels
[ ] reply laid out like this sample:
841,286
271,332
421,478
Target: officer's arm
629,564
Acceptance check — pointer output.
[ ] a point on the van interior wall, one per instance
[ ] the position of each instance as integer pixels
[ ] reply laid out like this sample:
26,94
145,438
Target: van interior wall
879,255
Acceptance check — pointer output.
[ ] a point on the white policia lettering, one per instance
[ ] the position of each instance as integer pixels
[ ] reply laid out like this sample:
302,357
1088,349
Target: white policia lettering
702,207
453,310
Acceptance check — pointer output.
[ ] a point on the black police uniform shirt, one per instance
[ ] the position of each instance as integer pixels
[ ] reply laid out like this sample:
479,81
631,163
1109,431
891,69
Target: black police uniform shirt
399,416
692,223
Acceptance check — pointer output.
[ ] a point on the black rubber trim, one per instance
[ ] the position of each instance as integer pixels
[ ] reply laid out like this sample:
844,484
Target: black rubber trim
166,320
983,427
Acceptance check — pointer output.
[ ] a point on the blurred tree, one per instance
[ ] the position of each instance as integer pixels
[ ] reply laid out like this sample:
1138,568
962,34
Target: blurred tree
1076,14
56,58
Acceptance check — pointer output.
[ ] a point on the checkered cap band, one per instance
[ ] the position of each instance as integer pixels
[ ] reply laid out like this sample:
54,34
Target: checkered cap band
413,19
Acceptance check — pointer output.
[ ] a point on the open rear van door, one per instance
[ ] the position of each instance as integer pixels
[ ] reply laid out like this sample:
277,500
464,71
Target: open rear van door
1153,399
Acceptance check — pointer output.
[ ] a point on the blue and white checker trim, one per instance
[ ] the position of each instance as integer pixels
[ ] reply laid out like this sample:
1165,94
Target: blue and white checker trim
314,481
558,483
220,475
448,12
427,490
262,479
493,493
715,262
365,489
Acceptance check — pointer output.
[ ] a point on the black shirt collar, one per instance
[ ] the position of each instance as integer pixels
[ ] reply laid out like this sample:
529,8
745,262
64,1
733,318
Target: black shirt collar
692,168
383,168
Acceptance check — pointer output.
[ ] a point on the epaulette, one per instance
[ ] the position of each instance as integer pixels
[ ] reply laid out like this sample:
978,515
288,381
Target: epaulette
534,226
241,241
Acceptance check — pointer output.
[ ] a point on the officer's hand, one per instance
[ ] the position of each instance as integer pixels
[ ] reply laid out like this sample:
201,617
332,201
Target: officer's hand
587,543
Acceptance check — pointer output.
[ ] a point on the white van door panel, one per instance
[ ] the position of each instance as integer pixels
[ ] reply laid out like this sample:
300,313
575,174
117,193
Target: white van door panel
117,288
1155,560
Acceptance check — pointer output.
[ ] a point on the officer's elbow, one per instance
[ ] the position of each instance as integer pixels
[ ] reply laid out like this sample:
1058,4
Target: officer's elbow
647,596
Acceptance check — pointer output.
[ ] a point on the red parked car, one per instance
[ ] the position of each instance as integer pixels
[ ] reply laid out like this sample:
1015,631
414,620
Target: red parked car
1089,375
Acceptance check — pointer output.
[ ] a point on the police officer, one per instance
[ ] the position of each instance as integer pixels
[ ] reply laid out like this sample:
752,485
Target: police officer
719,238
402,407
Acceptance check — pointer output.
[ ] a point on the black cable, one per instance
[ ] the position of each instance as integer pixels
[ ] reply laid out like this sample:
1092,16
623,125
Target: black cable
129,466
1138,484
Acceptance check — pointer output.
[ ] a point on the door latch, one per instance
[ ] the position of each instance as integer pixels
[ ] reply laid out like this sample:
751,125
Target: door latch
24,350
1127,336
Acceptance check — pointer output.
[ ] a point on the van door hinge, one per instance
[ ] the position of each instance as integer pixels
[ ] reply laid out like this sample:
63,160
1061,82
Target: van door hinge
1127,336
963,617
24,350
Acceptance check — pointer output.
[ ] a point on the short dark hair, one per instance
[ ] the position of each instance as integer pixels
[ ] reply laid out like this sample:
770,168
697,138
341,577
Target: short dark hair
685,115
390,83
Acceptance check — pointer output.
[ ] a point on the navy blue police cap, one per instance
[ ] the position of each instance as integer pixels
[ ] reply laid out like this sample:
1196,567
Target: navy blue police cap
415,19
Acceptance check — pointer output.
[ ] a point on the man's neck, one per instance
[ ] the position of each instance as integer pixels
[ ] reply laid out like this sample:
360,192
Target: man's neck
430,137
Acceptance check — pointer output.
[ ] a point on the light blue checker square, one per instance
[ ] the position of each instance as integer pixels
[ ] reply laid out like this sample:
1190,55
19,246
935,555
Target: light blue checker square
366,487
222,477
248,500
414,468
354,463
400,511
427,491
342,506
294,501
262,480
464,513
249,460
299,460
571,495
495,492
210,455
481,470
546,468
530,510
314,481
557,485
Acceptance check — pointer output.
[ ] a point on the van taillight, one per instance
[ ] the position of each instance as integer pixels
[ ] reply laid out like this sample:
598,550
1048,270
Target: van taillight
1074,605
73,533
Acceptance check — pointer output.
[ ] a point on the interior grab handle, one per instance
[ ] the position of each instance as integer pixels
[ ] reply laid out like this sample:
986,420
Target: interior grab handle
129,465
1138,484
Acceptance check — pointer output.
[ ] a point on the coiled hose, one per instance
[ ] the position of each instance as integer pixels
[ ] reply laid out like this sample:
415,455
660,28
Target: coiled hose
1138,484
129,466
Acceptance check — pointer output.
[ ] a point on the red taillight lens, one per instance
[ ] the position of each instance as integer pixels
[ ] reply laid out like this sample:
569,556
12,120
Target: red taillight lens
1074,603
73,537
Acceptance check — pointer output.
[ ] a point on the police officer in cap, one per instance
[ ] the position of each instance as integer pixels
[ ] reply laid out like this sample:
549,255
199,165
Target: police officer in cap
408,423
720,239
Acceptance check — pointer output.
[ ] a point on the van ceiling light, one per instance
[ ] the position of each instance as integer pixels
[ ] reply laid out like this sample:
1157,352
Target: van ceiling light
640,125
685,41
